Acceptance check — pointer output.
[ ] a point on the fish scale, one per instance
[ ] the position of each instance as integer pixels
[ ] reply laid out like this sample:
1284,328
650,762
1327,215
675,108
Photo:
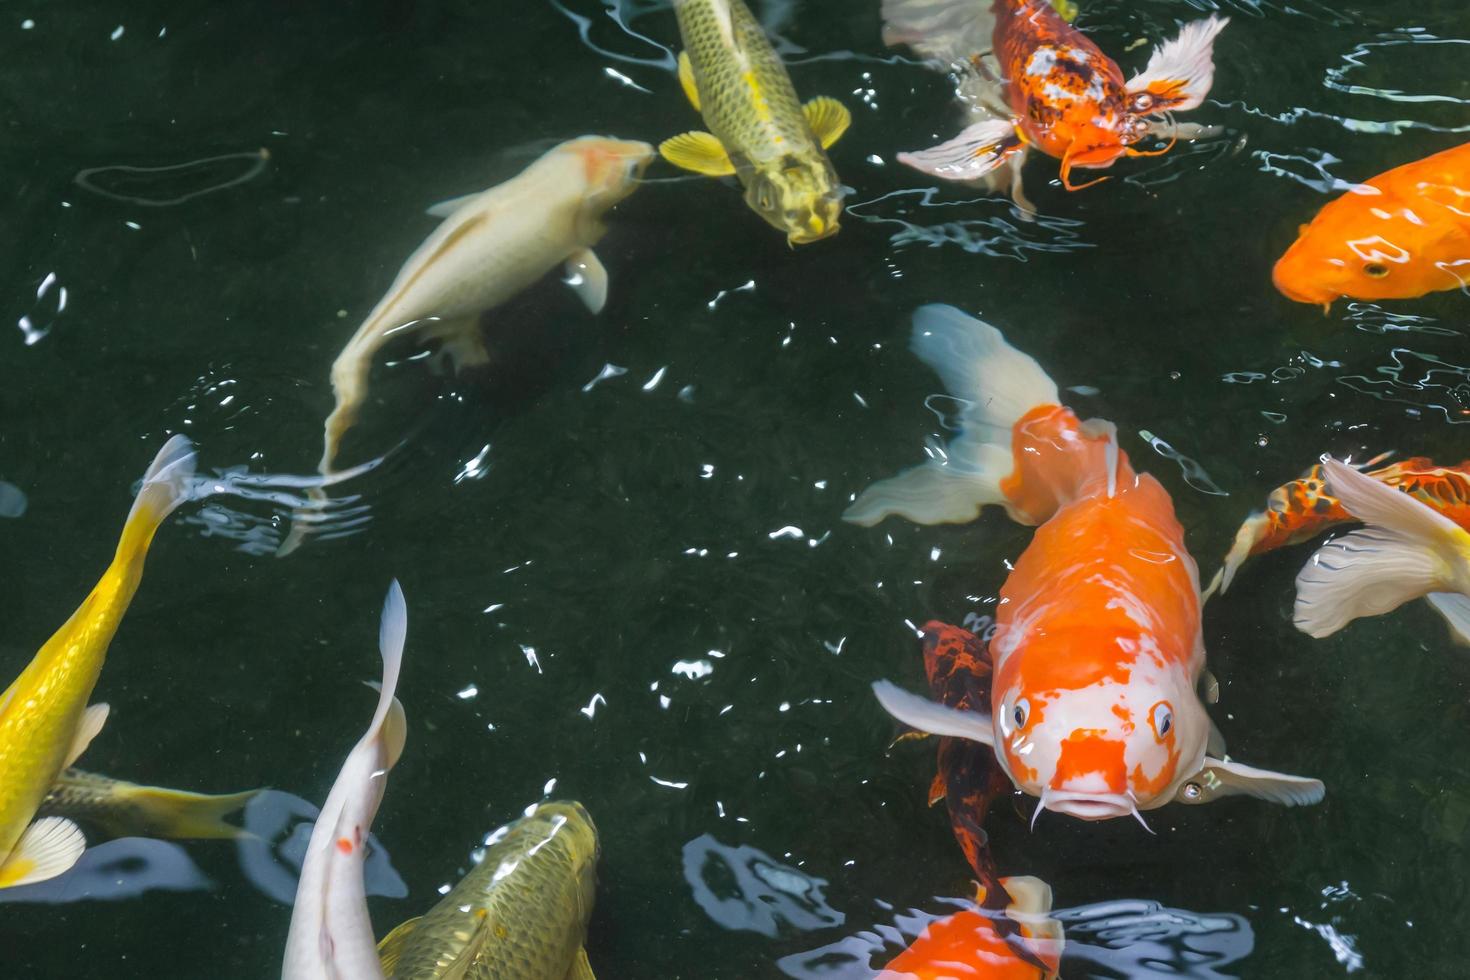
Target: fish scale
764,127
533,891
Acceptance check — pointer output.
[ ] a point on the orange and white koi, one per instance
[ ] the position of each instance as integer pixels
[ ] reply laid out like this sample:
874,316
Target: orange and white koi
1407,550
331,934
1018,941
1400,235
1098,648
1302,509
1057,92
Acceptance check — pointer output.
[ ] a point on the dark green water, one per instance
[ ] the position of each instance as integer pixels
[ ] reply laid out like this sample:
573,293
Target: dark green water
625,531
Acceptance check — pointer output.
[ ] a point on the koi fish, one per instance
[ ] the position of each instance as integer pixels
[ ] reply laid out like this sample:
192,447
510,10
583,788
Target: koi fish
1098,648
45,723
1401,235
1408,549
759,132
331,934
1302,509
966,777
1032,80
491,245
124,809
522,912
969,944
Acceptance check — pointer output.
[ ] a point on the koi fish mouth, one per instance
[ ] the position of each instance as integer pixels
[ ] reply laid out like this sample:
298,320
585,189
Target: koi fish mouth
1089,806
1298,294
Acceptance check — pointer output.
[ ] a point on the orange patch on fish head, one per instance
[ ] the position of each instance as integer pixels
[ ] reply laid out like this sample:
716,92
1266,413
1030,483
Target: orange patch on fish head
1090,762
611,167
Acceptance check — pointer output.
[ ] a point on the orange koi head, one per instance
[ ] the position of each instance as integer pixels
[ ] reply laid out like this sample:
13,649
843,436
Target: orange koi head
1373,244
1103,740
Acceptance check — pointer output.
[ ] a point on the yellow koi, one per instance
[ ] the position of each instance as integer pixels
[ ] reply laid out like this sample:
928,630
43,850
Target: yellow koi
45,722
758,130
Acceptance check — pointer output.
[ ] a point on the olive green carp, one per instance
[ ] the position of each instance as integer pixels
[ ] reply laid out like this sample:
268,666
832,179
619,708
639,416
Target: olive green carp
758,130
521,914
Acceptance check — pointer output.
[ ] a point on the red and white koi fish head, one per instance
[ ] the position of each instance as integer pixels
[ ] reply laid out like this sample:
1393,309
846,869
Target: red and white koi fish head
1098,742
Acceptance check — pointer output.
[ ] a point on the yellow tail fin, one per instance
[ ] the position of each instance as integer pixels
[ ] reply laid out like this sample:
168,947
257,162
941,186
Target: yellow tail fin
167,484
180,815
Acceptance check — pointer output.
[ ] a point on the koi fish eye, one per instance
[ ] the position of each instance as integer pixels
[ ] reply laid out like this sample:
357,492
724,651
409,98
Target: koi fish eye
1021,712
1161,717
1376,270
1192,792
1142,103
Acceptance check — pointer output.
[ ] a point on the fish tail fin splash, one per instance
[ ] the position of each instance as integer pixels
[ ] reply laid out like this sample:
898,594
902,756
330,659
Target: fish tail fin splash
1407,550
167,484
999,385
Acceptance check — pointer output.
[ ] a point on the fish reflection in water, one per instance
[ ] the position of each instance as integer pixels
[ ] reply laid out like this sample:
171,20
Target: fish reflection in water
744,888
1128,938
13,501
117,870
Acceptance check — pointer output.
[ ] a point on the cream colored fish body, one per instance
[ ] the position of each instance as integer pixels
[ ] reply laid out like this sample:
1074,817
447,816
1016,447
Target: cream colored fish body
521,914
44,719
491,246
331,936
758,129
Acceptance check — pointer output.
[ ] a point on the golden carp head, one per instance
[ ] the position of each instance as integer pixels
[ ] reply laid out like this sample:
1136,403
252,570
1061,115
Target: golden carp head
611,169
570,825
803,199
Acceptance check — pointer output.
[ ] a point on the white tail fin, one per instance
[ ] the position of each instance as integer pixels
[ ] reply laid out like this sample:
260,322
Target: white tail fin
999,384
1180,72
1407,550
392,632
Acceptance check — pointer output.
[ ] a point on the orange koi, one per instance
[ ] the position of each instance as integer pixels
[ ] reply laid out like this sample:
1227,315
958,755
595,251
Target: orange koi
1098,650
1401,235
1059,92
1302,509
973,943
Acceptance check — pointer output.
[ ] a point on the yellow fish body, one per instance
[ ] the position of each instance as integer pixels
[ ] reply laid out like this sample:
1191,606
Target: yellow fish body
44,719
521,914
125,809
758,129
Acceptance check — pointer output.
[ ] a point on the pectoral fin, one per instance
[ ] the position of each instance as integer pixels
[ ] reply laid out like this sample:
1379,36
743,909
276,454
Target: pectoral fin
92,721
700,152
828,119
1222,778
445,208
686,79
460,342
392,945
581,969
49,847
588,279
936,719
